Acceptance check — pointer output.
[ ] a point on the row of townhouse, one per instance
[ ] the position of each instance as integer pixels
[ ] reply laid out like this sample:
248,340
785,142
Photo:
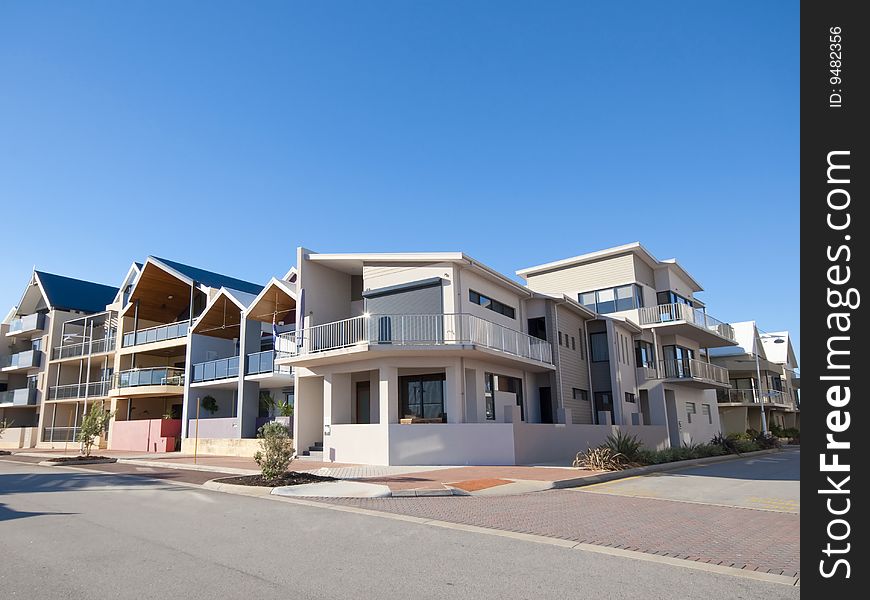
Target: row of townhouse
392,359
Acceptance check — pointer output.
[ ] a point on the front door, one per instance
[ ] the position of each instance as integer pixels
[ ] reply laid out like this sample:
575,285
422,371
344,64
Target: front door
363,402
546,404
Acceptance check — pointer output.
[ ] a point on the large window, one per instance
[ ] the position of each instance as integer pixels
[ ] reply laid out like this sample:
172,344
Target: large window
670,297
422,396
538,328
644,354
598,347
608,300
493,305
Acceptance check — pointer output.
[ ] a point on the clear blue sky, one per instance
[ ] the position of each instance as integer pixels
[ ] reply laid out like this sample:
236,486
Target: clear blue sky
225,134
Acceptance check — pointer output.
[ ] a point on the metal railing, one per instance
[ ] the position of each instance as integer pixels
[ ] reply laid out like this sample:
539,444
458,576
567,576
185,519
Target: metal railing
222,368
666,313
413,330
148,376
60,434
692,368
84,348
753,397
22,360
94,389
158,333
19,397
264,362
29,323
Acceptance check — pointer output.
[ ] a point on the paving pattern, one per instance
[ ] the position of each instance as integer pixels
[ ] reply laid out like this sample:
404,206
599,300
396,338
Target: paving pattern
736,537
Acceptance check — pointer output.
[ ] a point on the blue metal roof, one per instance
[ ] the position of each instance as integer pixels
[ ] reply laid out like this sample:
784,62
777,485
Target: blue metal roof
75,294
211,279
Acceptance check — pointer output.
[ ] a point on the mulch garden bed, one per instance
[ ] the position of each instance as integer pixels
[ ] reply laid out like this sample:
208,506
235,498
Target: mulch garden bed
289,478
5,453
81,460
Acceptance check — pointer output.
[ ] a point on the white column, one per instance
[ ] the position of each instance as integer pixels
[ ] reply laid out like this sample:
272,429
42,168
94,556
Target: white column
388,394
453,394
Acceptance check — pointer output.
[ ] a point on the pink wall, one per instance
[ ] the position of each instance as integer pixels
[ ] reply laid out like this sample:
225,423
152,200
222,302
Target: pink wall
146,435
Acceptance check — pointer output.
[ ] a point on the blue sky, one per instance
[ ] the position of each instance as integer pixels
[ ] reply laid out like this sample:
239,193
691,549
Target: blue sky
225,134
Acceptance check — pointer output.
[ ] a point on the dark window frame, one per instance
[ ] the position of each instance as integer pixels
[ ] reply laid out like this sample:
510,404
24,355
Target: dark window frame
494,305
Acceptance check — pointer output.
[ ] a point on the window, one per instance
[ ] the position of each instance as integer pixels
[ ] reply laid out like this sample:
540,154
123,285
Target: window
489,394
538,328
582,345
599,350
608,300
493,305
678,361
579,394
670,297
644,355
690,411
705,410
560,338
422,396
573,343
630,398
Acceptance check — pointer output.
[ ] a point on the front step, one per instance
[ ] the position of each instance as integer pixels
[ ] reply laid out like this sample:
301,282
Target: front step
314,452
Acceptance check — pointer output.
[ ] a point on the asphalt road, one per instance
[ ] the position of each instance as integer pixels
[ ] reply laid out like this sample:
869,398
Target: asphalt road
770,482
71,534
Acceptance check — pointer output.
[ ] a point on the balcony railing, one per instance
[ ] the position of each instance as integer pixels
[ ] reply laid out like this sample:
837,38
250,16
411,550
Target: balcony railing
95,389
159,333
753,397
85,348
149,376
413,330
692,368
19,397
222,368
22,360
264,362
34,322
667,313
60,434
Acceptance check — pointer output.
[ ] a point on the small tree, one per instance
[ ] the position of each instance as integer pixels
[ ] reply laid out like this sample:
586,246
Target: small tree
4,425
276,450
286,409
210,404
94,424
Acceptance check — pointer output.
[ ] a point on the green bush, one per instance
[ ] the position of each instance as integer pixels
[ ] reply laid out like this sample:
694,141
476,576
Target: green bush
624,444
744,446
276,450
767,441
600,458
792,433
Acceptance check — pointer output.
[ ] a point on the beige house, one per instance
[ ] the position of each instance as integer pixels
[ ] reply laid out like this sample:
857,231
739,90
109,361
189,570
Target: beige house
771,356
434,358
649,346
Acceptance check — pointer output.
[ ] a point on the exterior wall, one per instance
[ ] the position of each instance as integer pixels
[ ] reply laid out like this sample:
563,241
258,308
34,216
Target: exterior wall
327,291
622,357
146,435
452,444
539,443
700,430
573,365
19,437
214,428
667,278
469,280
607,272
643,273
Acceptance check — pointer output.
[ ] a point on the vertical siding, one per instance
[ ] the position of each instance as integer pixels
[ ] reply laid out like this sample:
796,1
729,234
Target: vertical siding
573,366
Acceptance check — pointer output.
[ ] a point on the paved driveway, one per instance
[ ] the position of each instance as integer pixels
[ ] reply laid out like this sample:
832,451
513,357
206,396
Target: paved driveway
770,482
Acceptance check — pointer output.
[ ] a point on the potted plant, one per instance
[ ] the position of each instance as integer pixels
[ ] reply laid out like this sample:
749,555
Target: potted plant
209,404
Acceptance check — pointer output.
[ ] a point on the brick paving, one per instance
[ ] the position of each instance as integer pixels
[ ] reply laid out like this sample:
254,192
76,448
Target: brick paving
733,537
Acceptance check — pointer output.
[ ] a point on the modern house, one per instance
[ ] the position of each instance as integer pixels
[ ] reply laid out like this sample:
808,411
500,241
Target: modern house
48,328
435,358
649,347
156,314
770,355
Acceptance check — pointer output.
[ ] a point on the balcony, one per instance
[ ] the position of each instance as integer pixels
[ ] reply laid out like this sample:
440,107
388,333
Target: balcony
153,381
20,397
215,370
86,348
261,365
72,391
410,331
60,434
695,372
714,330
28,324
159,333
773,397
29,359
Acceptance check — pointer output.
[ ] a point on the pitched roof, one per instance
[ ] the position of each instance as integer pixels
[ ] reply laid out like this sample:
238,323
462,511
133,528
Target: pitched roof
75,294
210,278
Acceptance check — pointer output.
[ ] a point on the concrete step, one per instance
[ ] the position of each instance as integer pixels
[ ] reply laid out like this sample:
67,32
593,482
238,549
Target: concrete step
312,455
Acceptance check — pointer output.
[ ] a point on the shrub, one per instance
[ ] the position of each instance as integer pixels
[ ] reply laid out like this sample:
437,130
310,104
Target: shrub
792,433
276,450
601,458
741,436
767,441
94,423
285,409
622,443
4,425
743,446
